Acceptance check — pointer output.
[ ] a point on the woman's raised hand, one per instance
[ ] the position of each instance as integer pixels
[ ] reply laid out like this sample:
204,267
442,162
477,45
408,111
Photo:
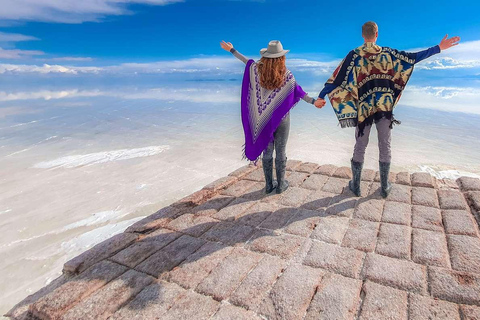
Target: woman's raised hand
227,46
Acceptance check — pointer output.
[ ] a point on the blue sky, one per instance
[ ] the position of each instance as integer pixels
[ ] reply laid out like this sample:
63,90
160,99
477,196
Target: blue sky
146,32
66,49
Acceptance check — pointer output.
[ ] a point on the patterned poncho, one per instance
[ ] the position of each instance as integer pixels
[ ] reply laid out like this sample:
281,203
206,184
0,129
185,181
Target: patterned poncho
263,110
369,82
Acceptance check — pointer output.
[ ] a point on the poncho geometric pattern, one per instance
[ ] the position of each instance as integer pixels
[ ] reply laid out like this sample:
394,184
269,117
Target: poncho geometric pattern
369,83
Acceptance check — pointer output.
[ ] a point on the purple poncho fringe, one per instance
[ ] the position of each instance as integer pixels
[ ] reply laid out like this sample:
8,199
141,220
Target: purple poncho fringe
253,150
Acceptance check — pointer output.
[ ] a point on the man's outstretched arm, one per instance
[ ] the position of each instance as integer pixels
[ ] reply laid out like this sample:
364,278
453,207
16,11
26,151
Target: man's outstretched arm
444,45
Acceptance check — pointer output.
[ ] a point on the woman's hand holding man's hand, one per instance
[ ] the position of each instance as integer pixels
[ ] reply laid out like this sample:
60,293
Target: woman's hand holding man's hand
320,103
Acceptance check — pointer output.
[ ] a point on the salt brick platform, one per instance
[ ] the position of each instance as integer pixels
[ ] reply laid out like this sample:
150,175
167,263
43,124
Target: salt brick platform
313,252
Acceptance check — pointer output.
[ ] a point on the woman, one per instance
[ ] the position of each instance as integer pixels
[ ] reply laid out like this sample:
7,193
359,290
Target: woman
269,91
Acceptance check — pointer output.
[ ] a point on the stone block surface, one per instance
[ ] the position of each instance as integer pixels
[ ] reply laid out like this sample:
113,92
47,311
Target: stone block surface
394,241
398,213
469,184
103,303
422,179
192,224
400,193
230,312
292,293
361,235
345,261
474,200
155,221
335,185
421,308
382,302
151,303
198,266
303,222
99,252
370,209
141,250
430,248
470,312
403,178
326,169
278,219
318,200
296,179
343,172
401,274
330,229
454,286
314,182
192,306
230,233
337,297
464,252
275,243
451,199
56,303
234,209
459,222
427,218
307,167
228,275
170,256
425,197
258,282
341,206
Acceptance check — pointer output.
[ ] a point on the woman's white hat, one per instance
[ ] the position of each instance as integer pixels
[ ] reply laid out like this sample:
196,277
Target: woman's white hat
274,50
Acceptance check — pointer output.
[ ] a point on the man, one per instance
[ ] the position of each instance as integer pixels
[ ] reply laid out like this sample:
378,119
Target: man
365,88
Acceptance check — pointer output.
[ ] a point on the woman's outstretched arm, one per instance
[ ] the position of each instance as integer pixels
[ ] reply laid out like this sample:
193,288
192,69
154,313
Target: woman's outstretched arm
227,46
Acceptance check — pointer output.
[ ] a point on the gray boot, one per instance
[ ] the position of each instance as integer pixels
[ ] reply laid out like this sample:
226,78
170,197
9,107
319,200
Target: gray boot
280,167
354,184
384,172
270,185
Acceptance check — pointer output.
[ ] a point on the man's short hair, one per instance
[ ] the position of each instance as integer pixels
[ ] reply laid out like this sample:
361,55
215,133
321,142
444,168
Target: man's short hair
369,29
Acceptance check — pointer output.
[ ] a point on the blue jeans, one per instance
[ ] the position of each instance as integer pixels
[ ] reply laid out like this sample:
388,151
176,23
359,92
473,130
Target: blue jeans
279,142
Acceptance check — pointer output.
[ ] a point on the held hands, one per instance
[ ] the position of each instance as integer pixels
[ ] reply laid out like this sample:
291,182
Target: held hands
448,43
320,103
227,46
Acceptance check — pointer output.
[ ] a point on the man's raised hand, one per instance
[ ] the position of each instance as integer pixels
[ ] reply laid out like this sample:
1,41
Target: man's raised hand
227,46
448,43
320,103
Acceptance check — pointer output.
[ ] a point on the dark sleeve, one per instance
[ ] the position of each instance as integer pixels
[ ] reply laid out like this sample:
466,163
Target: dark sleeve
417,56
329,87
339,75
422,55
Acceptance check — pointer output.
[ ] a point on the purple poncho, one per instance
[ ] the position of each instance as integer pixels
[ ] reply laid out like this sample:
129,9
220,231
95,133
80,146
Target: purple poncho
263,110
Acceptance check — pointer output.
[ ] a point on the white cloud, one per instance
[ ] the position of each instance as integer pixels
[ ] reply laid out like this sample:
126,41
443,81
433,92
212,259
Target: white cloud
224,94
76,59
210,65
69,11
464,55
453,99
18,54
48,95
45,69
15,37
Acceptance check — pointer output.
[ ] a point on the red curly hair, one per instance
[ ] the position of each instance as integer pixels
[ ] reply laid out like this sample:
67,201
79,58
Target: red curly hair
272,72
